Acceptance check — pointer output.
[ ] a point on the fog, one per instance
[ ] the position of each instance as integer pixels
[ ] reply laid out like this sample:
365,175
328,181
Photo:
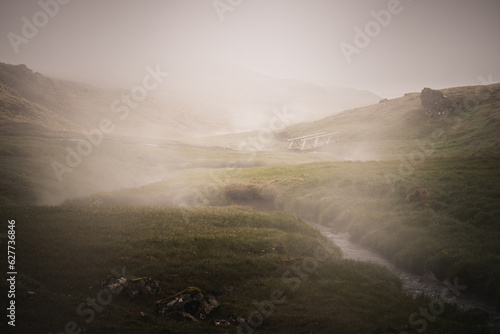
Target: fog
203,147
226,66
330,43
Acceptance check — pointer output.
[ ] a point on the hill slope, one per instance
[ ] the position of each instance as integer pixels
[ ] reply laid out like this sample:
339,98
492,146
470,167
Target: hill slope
389,129
85,106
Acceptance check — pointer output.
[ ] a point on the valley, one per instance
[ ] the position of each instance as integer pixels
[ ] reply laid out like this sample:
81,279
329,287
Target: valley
227,211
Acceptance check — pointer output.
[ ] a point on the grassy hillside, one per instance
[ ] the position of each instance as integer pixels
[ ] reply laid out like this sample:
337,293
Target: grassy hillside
83,107
443,217
240,256
394,129
389,130
15,111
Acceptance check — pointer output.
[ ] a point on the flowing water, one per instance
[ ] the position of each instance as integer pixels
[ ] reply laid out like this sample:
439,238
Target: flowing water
414,284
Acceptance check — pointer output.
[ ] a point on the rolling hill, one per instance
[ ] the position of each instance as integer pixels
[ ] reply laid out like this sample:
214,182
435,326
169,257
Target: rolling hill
79,107
394,127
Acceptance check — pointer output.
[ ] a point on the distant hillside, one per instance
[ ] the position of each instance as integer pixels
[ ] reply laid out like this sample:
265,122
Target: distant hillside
246,98
34,99
390,128
207,100
16,111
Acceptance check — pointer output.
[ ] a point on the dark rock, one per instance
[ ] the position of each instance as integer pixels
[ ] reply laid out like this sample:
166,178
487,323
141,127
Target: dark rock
383,101
31,293
184,316
233,320
221,323
144,316
143,286
133,287
195,304
435,103
236,320
430,276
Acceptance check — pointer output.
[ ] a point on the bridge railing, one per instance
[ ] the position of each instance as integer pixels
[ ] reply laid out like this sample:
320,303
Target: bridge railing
310,142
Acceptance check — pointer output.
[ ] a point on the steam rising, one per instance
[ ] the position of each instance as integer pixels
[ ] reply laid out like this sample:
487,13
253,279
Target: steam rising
228,74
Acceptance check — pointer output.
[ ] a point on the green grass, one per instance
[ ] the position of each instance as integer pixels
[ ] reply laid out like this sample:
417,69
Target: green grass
442,218
64,253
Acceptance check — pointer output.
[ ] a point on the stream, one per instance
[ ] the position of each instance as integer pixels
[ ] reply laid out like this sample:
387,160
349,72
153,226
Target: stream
413,284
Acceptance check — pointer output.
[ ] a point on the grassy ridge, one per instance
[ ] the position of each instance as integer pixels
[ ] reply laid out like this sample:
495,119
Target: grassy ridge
237,254
389,130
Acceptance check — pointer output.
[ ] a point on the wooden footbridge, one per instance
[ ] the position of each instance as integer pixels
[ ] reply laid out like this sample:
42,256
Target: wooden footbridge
311,142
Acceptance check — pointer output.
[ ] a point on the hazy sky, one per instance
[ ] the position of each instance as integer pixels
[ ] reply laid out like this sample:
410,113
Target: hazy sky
435,43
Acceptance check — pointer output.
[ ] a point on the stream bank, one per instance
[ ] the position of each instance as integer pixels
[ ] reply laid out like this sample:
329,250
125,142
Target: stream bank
416,285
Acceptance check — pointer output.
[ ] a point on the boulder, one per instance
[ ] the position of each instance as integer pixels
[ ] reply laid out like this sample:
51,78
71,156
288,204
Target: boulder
435,103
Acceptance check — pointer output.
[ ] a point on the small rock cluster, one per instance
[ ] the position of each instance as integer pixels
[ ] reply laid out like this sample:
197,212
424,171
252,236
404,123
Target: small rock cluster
189,304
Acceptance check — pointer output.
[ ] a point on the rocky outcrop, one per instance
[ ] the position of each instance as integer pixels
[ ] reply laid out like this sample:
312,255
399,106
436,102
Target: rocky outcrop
435,103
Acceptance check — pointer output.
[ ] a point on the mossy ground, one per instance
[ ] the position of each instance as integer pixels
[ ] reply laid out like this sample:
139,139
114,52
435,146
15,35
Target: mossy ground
238,254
